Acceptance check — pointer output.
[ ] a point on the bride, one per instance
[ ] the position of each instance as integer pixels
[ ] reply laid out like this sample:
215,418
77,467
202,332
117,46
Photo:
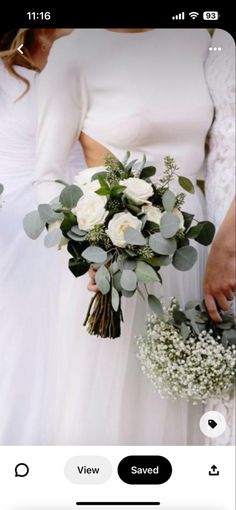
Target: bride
118,89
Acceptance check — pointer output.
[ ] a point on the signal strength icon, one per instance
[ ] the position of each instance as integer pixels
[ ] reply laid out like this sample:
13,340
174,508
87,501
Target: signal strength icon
179,16
193,15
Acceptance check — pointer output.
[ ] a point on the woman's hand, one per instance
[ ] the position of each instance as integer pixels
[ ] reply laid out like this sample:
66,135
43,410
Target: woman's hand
92,283
220,274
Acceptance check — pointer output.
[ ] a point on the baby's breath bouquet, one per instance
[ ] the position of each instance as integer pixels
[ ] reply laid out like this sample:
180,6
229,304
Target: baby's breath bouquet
186,355
126,223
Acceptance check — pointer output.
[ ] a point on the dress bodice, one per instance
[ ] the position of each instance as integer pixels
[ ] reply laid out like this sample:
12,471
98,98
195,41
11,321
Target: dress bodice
145,92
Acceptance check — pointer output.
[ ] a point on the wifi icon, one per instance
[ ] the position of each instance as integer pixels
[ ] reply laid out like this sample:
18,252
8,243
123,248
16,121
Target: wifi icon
193,15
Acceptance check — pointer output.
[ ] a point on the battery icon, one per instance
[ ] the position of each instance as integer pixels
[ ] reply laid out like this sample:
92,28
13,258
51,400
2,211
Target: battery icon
211,15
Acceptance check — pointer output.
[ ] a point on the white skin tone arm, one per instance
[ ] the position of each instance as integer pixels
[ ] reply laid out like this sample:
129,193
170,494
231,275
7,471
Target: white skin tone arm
220,274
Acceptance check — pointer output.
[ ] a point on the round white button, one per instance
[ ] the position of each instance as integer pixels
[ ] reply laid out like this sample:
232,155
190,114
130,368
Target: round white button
212,424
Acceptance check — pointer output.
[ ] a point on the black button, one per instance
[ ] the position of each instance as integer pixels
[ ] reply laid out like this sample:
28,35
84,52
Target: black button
144,469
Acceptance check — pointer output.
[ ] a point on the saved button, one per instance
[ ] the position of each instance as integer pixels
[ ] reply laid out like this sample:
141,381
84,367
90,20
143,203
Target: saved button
144,469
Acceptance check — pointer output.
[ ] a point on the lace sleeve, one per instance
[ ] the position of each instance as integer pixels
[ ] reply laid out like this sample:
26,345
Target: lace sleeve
220,75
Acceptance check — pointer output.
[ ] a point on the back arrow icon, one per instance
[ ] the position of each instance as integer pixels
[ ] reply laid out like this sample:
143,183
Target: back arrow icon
19,49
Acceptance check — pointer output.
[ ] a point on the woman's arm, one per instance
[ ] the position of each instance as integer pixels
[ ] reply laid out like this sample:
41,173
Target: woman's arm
220,274
61,107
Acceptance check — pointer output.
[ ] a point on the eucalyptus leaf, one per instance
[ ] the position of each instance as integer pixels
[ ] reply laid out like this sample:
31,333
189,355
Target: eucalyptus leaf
230,336
131,164
115,299
193,303
96,176
33,225
179,316
70,196
163,260
169,224
133,236
128,280
186,184
76,230
102,278
114,267
126,158
184,330
168,200
147,172
75,237
128,293
60,181
143,163
188,218
78,267
47,214
145,273
161,245
95,254
206,234
116,281
53,238
156,306
226,325
130,264
185,258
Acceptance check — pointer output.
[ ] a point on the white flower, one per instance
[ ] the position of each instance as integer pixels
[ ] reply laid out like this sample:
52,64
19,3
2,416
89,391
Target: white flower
180,216
90,211
137,189
84,179
119,224
153,213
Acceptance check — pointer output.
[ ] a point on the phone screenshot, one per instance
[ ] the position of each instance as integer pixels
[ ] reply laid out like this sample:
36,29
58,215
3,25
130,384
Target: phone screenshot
117,260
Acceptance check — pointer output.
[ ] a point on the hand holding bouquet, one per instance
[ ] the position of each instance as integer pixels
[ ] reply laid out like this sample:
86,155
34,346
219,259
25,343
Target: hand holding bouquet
125,225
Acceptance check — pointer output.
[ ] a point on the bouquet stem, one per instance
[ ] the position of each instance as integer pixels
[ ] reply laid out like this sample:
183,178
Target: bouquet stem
101,319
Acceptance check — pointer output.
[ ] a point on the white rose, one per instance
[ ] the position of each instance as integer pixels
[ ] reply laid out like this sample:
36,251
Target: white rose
153,213
90,211
137,189
180,216
119,224
84,179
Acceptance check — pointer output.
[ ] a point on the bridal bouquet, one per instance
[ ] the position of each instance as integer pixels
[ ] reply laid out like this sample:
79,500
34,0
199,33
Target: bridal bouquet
125,225
187,355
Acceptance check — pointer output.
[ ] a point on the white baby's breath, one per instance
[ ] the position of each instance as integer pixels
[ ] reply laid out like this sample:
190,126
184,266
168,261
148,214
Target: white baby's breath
196,369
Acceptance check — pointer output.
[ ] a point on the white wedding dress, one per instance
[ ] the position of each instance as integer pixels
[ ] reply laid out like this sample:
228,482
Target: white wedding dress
29,273
220,181
145,92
